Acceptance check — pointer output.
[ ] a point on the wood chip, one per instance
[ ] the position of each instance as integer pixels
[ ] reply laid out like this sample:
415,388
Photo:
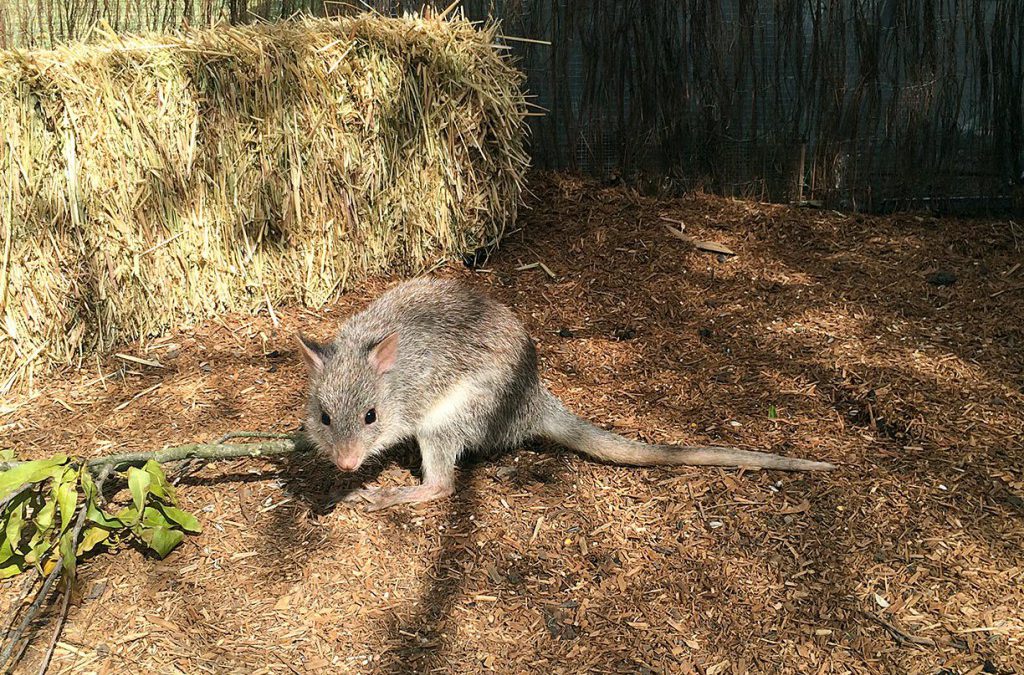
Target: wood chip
708,246
163,623
536,529
798,508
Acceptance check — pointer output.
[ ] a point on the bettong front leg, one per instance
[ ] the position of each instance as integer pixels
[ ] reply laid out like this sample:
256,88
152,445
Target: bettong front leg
438,464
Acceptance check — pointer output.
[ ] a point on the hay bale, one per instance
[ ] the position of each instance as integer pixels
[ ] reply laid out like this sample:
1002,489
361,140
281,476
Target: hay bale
150,181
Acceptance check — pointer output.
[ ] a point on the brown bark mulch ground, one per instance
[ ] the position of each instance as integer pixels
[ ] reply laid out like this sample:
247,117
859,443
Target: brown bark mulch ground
828,336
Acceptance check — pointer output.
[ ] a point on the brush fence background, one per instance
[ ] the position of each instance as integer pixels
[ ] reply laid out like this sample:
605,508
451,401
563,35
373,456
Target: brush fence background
868,104
148,182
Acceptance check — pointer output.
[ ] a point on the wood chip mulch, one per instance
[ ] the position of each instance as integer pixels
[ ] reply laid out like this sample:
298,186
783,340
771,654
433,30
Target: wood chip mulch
892,346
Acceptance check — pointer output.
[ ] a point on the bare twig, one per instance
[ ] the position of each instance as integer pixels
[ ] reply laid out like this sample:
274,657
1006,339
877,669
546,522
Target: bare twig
13,638
14,495
282,445
45,665
681,224
252,434
26,590
709,246
194,464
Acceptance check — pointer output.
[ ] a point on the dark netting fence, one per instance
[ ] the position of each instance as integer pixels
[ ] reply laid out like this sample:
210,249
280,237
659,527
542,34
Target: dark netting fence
868,104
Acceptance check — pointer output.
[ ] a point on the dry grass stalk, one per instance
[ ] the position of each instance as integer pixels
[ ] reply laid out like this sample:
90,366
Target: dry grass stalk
151,181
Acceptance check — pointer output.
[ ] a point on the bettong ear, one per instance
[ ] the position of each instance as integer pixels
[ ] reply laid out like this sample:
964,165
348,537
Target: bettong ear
383,355
314,353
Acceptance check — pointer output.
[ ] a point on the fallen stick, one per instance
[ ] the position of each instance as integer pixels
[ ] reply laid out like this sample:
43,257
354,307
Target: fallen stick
283,445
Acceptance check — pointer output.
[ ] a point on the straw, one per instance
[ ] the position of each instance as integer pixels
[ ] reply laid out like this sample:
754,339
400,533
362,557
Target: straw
159,180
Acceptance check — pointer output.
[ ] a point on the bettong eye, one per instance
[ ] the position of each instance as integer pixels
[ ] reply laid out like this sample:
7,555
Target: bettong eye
325,419
371,416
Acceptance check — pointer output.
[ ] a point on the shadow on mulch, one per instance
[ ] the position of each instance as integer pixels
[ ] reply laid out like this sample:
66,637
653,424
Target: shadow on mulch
904,440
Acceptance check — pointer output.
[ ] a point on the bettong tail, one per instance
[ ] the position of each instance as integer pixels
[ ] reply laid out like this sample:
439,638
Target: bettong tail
563,427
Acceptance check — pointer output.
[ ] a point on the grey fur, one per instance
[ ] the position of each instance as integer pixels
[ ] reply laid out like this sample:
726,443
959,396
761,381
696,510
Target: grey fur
462,379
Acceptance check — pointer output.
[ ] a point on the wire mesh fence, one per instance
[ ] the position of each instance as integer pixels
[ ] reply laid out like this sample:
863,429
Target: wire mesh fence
868,104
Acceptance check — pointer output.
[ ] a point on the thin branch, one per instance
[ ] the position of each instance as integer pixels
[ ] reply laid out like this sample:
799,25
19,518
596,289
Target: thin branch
14,495
284,445
45,665
191,465
26,590
30,614
252,434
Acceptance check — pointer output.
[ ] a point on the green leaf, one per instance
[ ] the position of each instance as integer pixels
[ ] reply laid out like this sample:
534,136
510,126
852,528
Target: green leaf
44,517
773,414
161,515
13,568
139,482
92,510
66,492
128,515
88,484
67,554
15,519
6,550
160,487
39,547
183,519
7,455
161,539
67,497
91,538
98,516
41,543
29,472
153,517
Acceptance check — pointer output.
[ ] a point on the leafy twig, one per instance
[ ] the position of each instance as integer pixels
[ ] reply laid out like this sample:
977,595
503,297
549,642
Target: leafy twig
75,535
37,604
15,641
